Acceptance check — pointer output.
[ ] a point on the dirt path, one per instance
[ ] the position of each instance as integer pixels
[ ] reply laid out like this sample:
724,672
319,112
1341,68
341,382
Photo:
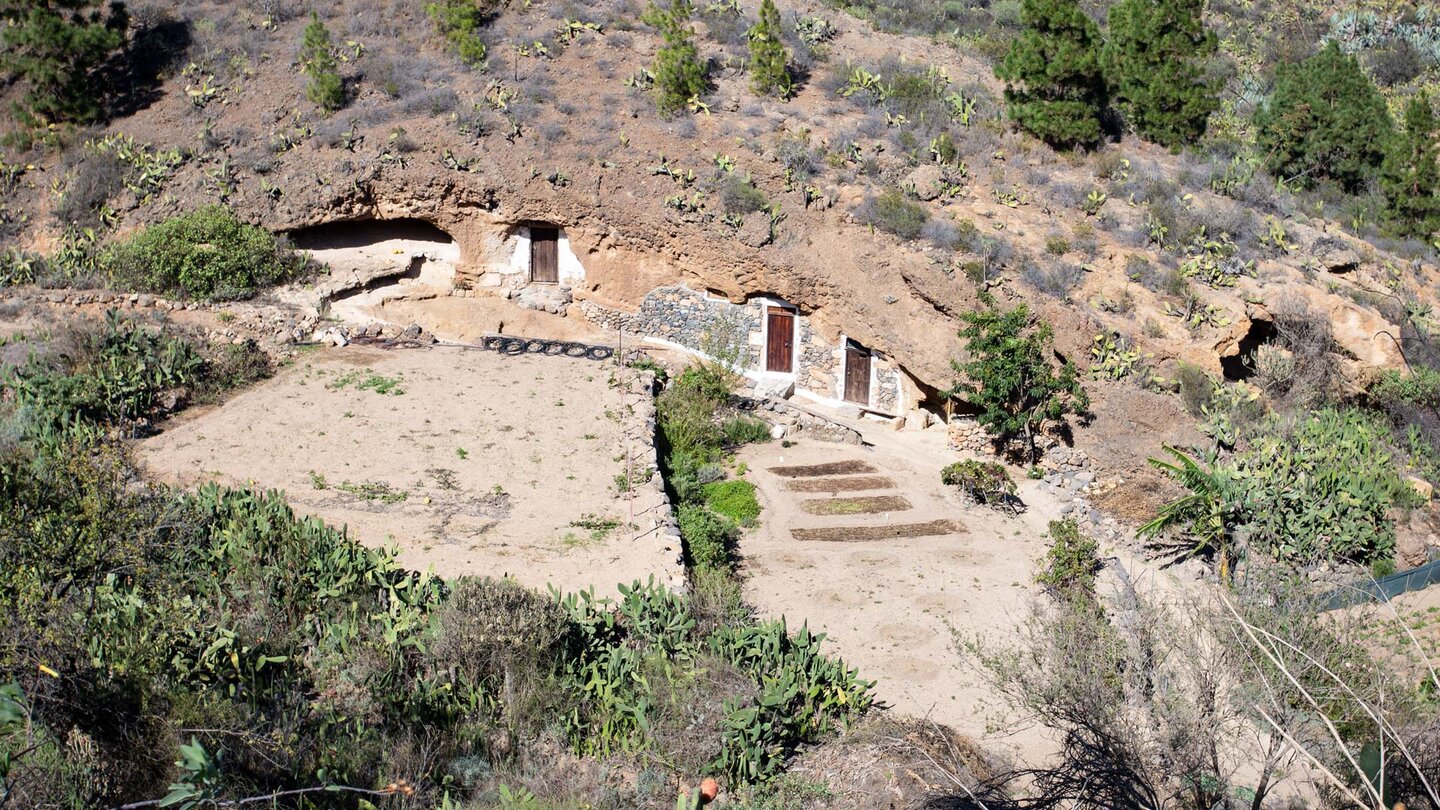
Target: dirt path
469,462
889,604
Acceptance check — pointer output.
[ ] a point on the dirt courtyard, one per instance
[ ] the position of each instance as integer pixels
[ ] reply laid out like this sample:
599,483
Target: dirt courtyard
467,461
832,549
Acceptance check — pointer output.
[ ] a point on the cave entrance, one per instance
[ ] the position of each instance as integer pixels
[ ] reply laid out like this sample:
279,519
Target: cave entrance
1240,366
373,246
372,261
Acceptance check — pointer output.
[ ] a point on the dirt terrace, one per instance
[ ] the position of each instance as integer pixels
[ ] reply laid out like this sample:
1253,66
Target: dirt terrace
867,546
469,462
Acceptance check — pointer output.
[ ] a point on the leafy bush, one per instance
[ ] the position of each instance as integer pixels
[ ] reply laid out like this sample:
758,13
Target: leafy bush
1071,562
893,213
460,23
1009,378
739,195
708,537
1320,487
744,430
734,500
206,254
986,482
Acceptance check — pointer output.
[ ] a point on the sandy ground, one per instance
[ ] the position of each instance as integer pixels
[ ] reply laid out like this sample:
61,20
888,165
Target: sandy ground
893,608
483,465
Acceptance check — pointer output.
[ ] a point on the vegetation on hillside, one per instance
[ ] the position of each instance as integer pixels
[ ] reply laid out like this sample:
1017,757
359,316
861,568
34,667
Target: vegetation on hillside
1010,379
272,653
207,254
55,48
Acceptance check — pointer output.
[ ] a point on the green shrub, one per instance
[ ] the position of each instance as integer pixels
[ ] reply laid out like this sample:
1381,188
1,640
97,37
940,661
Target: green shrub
1071,562
1009,377
1317,488
207,254
491,630
707,536
986,482
317,61
740,196
679,72
460,23
734,500
893,213
744,430
1157,58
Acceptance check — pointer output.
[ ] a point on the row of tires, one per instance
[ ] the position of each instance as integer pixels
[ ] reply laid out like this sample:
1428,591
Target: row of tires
504,344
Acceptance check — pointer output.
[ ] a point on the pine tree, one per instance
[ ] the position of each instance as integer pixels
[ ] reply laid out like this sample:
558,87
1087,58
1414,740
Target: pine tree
54,48
1324,120
679,74
1054,81
1156,56
769,61
1410,175
317,60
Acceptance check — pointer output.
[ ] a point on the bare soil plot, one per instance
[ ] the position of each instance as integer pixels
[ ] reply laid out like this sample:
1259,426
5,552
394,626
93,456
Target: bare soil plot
866,505
828,468
857,483
469,462
893,606
862,534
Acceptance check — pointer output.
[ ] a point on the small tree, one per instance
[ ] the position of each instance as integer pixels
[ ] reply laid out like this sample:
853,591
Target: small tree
1325,119
317,61
460,22
769,61
54,48
1156,56
679,73
1054,82
1410,175
1010,377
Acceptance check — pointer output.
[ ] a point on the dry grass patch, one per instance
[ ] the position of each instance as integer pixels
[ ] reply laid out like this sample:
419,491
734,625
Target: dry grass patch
816,470
868,505
858,534
852,484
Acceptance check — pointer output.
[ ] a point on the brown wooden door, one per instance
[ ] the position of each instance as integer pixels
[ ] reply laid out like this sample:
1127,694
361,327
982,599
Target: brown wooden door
545,255
779,340
857,374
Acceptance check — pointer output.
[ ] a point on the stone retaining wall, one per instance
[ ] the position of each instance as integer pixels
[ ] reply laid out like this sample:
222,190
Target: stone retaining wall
655,520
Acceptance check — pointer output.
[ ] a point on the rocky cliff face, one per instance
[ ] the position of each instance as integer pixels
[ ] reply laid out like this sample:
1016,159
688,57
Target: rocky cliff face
559,134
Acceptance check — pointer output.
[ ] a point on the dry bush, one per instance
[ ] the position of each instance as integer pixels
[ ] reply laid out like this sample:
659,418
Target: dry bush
1306,335
1203,703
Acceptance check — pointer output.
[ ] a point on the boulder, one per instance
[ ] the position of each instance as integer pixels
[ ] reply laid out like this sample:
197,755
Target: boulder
774,388
1423,488
848,411
928,182
755,230
917,419
779,432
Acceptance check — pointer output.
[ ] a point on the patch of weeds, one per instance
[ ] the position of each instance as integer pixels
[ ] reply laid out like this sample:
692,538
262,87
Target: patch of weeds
367,381
318,481
373,491
461,453
734,500
598,526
